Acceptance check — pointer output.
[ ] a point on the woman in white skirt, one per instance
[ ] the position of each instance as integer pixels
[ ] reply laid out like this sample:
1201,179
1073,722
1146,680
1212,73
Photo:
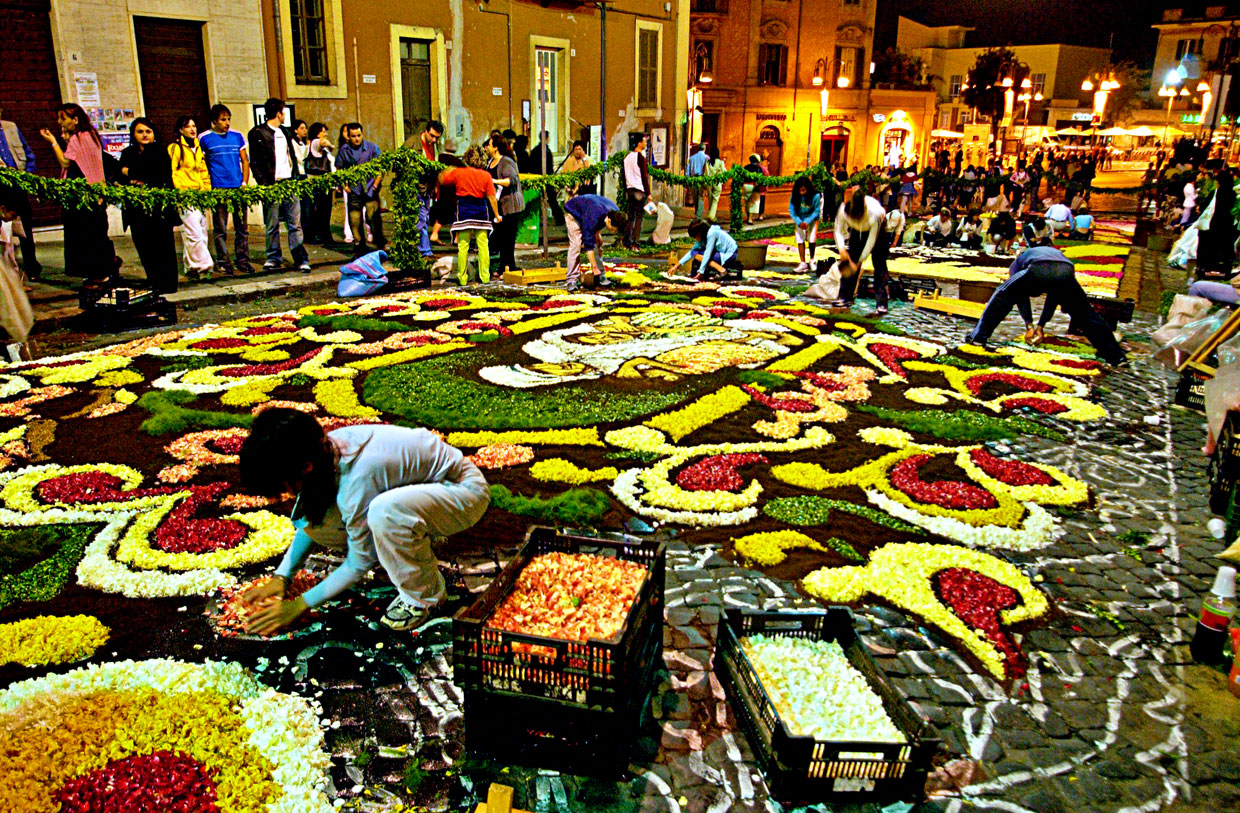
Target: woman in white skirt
189,172
380,492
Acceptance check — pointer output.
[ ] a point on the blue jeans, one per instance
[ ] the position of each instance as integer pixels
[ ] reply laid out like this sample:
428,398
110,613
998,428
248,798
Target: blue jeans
288,212
424,225
1221,292
1058,280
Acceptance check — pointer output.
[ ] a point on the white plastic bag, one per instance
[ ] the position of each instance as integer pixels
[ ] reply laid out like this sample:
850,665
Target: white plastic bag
663,225
1184,309
827,286
16,315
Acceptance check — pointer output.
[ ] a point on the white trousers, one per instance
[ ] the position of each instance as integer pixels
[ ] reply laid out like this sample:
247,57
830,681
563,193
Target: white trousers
404,520
194,239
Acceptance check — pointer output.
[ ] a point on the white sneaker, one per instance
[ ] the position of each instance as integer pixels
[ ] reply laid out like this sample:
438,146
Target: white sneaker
802,268
402,616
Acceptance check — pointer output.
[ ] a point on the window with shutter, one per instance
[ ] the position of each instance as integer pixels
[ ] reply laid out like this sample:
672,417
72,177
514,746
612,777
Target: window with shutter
309,28
647,68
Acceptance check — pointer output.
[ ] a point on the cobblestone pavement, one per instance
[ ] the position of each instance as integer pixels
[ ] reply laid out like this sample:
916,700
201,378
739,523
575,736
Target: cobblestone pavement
1113,716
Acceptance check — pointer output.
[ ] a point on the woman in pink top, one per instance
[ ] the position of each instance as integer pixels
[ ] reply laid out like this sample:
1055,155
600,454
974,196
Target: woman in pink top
88,251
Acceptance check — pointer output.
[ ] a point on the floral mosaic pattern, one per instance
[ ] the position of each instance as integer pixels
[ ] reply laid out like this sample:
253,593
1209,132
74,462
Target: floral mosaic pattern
734,413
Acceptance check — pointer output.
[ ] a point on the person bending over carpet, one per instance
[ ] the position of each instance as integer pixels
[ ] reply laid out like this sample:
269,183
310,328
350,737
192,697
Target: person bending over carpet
714,250
1045,270
380,492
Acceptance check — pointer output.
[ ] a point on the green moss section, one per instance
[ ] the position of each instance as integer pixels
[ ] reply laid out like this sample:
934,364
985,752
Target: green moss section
168,415
358,323
577,506
871,324
45,578
952,361
188,363
442,392
644,457
961,425
811,510
761,378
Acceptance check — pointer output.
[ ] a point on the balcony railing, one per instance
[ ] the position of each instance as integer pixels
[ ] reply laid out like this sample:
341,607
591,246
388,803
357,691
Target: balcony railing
710,6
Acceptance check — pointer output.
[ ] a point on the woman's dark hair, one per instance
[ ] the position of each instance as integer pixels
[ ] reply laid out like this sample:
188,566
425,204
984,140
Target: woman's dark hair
133,126
274,456
82,121
698,228
297,123
520,142
856,204
314,130
183,121
801,183
500,143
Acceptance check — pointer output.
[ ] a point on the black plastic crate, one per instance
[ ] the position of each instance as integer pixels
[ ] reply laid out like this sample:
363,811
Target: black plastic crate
1223,468
596,674
114,314
1112,311
565,737
1190,392
804,769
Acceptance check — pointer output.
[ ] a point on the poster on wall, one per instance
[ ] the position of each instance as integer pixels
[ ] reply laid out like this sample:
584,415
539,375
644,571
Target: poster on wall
114,143
260,115
595,143
87,84
658,145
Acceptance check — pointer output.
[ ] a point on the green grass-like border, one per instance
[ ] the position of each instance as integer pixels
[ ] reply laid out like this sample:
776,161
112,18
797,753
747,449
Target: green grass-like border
441,392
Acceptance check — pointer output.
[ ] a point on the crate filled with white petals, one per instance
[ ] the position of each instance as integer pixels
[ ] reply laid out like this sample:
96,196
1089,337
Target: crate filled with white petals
824,721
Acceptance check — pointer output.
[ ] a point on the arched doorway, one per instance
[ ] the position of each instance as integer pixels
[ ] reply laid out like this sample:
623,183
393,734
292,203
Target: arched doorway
770,145
834,146
896,141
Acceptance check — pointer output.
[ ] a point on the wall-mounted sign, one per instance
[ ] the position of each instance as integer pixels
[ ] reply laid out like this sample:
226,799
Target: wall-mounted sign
1190,118
369,79
880,117
1082,116
839,117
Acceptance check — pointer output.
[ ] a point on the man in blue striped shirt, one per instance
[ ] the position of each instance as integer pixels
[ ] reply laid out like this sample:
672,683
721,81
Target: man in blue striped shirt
16,153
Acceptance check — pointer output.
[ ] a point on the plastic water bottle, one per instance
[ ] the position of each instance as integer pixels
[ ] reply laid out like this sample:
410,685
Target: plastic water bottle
1216,612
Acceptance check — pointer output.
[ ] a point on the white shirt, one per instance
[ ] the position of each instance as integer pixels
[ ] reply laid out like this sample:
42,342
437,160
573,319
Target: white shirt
895,221
1059,213
284,168
633,172
940,224
872,220
1190,195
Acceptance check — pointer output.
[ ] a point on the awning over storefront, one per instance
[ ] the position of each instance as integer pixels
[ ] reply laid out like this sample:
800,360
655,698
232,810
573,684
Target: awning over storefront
945,134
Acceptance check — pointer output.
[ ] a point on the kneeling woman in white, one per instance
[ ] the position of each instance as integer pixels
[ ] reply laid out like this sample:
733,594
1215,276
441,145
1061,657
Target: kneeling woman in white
380,491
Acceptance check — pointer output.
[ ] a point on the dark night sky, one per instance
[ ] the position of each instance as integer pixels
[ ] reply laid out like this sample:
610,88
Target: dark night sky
1024,22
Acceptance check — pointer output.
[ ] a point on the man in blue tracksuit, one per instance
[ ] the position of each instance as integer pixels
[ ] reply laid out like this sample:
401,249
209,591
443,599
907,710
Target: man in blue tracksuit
1045,270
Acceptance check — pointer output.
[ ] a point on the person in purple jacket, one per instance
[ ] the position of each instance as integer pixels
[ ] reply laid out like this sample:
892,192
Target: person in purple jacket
586,216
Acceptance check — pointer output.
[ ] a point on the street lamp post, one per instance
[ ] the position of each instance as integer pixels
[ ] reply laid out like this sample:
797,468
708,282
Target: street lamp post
1168,91
1026,97
1101,89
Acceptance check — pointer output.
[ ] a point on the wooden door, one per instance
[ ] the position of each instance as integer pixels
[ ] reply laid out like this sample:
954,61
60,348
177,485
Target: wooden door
29,87
415,85
173,67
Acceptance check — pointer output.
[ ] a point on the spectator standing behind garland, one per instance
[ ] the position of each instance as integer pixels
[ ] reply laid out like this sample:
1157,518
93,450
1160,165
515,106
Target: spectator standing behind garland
229,166
271,160
146,163
363,207
319,161
301,150
503,168
715,167
16,153
636,190
443,210
190,173
88,251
